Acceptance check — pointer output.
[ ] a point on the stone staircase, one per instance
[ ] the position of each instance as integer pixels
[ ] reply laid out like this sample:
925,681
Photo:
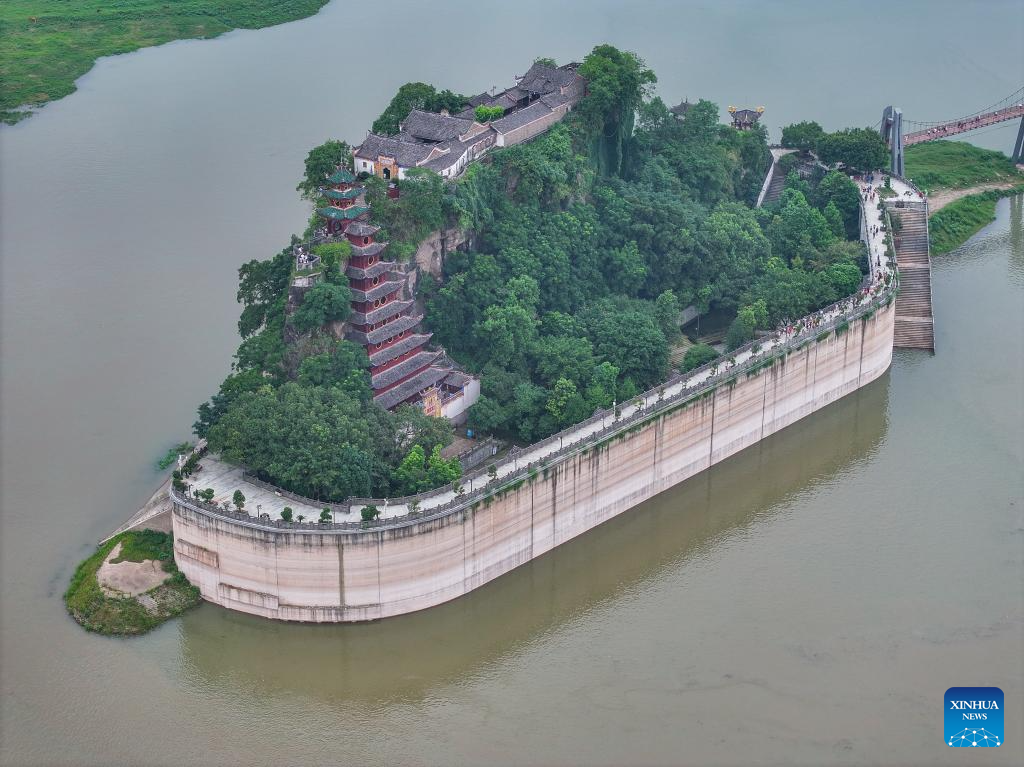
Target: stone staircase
775,186
914,323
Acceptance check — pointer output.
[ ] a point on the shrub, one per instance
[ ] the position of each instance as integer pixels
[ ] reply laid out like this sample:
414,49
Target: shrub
286,513
369,512
238,499
698,355
325,516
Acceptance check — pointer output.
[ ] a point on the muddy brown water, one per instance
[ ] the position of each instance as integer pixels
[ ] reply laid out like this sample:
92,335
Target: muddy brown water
807,602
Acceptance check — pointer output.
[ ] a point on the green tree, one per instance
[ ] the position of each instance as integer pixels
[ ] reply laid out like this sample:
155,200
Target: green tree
324,302
698,355
326,516
441,471
802,135
286,513
617,83
857,149
667,310
411,474
369,513
415,96
238,499
485,114
321,162
207,494
838,189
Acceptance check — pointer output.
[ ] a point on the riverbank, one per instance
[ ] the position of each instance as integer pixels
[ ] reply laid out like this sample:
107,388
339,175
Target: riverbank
963,183
45,45
961,219
130,585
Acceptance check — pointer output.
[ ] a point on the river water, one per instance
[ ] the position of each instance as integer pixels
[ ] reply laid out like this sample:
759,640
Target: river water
808,601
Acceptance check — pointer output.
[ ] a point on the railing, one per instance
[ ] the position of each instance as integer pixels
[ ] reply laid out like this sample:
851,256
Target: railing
810,328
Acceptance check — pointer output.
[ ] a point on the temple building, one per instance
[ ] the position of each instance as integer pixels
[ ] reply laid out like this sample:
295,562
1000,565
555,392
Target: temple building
384,321
447,144
745,119
680,109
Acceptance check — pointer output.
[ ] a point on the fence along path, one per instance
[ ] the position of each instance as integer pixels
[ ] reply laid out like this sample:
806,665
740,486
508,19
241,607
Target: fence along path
519,464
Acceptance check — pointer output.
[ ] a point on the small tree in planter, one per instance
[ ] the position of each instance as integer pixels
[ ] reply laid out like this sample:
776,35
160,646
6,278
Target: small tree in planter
492,472
325,516
238,499
369,513
414,508
286,513
207,494
302,517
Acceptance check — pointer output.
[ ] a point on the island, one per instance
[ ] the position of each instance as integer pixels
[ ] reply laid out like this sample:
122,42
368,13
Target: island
514,315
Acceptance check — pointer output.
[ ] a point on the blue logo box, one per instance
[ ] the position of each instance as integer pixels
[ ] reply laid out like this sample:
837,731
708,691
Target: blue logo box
974,717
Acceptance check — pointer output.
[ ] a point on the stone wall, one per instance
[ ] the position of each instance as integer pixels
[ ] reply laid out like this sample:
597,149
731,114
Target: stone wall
354,575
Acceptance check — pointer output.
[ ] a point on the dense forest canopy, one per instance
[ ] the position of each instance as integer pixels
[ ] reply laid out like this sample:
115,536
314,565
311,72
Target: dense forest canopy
588,243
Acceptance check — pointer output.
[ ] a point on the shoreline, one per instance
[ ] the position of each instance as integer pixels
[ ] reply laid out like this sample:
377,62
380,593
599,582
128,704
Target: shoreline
34,80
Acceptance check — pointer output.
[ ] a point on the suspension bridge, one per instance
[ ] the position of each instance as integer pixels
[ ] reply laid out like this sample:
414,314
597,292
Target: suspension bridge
892,127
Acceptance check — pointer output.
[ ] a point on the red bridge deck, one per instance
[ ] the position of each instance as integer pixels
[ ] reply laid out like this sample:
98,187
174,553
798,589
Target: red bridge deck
963,125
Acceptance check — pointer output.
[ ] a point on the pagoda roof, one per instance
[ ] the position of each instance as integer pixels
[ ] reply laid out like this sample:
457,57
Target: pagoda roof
348,194
407,389
369,250
390,309
337,214
373,270
376,291
341,176
382,334
362,229
397,349
680,109
403,369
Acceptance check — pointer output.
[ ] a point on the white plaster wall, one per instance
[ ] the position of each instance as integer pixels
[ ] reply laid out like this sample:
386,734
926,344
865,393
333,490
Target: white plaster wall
348,576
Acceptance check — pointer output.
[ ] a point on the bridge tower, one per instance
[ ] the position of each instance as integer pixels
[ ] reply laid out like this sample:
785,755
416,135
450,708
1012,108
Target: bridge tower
1018,146
892,132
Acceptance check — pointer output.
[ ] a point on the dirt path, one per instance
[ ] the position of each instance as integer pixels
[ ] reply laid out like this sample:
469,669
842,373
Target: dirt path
943,197
129,578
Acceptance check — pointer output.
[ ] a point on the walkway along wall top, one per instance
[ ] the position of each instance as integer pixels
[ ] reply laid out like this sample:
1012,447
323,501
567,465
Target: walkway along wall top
459,540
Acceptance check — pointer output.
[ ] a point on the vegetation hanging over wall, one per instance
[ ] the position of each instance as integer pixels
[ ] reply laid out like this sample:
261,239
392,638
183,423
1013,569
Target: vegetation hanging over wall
589,241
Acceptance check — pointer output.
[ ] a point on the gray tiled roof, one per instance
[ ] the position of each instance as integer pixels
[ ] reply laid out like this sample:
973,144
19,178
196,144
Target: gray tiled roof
404,345
410,388
373,270
397,325
362,229
544,79
535,111
428,126
407,153
368,250
402,369
389,309
376,291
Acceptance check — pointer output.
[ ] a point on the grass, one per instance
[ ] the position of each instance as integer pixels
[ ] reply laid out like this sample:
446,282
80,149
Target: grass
957,165
45,45
103,614
954,224
172,455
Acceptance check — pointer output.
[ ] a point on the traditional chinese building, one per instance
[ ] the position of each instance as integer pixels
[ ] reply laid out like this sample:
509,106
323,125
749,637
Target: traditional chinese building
387,325
343,198
447,143
745,119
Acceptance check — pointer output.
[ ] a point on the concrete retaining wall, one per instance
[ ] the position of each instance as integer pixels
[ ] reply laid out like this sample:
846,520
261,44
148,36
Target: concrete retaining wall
354,575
